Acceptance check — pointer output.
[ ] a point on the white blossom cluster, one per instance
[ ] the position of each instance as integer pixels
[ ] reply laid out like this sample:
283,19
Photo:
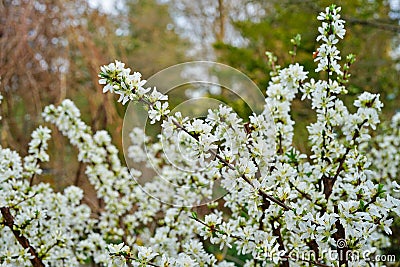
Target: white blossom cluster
279,203
384,153
327,54
119,80
34,218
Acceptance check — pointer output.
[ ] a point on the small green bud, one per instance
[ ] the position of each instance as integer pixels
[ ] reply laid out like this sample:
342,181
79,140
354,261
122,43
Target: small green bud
194,215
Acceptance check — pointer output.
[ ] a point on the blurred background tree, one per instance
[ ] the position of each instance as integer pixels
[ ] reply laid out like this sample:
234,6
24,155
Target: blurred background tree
52,49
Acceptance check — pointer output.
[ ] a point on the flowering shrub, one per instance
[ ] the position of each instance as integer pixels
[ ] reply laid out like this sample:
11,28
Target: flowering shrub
280,204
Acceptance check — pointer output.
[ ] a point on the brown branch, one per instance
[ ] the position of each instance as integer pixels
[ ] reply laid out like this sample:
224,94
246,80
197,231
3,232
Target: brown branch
22,240
78,173
340,235
221,19
302,193
277,232
374,24
230,166
314,247
328,181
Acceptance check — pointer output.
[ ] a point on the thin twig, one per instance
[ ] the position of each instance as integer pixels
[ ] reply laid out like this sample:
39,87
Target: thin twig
22,240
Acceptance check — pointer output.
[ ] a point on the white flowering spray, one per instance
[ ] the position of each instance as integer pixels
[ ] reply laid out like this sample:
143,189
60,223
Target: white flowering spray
283,203
38,225
282,208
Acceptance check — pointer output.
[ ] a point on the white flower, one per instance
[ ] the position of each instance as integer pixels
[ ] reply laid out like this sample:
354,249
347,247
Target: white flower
146,254
118,248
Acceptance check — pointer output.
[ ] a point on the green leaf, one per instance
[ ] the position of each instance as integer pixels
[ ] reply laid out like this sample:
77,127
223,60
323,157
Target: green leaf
194,215
362,205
